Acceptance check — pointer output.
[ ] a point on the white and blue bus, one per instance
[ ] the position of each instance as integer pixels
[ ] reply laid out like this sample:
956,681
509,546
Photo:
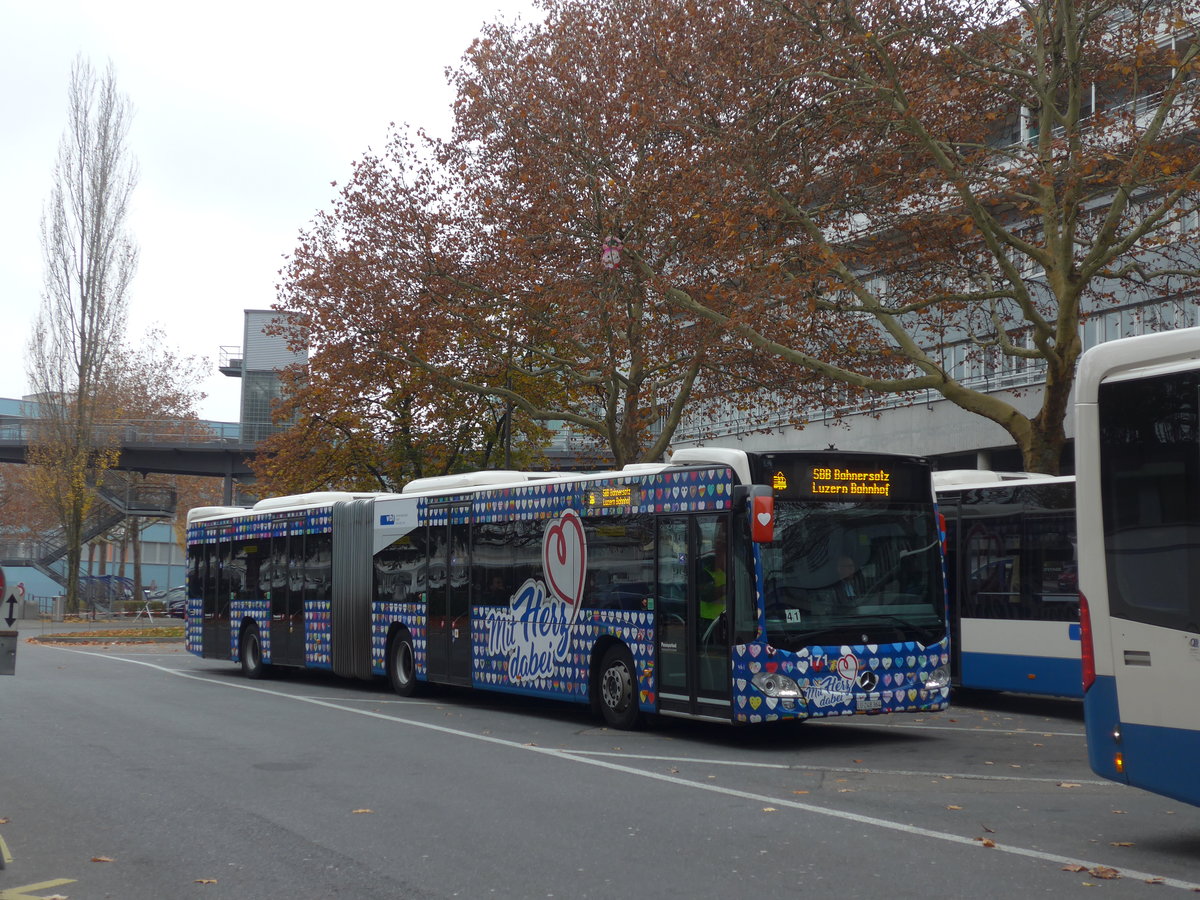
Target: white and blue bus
1138,501
726,585
1013,580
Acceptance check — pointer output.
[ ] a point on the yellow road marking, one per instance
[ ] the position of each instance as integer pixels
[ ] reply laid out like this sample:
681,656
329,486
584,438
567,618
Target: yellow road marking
21,893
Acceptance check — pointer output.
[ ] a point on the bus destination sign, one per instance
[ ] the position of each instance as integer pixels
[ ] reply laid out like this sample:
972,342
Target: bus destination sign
845,477
837,480
613,496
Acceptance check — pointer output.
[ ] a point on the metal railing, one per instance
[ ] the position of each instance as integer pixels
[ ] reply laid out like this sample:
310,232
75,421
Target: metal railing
144,432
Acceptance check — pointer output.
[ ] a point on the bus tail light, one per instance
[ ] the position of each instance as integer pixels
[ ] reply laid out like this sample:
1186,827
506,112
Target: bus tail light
1086,651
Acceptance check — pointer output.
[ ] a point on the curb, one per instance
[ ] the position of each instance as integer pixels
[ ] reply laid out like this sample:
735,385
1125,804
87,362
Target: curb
99,639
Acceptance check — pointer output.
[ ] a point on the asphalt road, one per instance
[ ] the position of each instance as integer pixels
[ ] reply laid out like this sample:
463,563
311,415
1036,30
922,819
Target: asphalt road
144,772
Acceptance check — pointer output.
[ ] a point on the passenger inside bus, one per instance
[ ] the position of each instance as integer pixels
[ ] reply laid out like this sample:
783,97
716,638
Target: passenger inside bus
846,588
713,585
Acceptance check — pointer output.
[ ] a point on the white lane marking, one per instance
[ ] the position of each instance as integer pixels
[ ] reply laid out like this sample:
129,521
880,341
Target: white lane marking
976,729
856,770
573,756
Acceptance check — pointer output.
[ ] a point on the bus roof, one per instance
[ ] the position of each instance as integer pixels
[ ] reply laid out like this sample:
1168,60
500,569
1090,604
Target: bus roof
272,504
965,479
476,479
213,512
487,478
1128,357
725,456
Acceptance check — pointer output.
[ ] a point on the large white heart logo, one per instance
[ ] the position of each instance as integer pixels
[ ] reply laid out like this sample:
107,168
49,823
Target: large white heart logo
564,559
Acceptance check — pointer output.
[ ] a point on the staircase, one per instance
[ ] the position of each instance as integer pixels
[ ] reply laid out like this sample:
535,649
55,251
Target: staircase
125,496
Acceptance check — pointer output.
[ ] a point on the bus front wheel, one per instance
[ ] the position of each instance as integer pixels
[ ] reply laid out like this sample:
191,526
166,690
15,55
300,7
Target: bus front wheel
250,648
402,665
618,689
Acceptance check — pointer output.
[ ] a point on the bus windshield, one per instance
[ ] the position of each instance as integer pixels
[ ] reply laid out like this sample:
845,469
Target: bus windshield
850,573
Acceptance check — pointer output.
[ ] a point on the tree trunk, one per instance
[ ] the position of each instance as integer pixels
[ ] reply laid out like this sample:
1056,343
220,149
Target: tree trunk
1047,435
74,557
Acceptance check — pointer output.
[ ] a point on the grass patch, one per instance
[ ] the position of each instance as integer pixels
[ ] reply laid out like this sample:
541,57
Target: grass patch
131,635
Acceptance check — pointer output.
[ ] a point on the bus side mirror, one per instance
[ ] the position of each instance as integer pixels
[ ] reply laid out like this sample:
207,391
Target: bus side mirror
762,519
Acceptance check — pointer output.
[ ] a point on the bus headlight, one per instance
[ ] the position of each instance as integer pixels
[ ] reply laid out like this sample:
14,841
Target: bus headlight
938,679
775,685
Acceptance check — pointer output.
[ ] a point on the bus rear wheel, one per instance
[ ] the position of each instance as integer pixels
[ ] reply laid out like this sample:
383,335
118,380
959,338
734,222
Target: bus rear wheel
402,665
618,689
250,649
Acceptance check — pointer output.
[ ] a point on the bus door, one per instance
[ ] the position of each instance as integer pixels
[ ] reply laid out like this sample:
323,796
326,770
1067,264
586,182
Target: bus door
204,581
693,592
286,585
955,582
448,588
216,629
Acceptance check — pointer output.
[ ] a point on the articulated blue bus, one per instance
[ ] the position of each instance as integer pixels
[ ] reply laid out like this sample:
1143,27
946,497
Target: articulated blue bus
726,585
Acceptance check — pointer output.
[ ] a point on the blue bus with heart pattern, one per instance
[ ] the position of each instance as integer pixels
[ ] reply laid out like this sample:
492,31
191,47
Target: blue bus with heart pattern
726,585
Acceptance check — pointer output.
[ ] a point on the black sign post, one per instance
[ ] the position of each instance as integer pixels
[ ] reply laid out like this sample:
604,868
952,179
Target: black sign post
8,653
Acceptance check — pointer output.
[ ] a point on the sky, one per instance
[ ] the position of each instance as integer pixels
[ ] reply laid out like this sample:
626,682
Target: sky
244,113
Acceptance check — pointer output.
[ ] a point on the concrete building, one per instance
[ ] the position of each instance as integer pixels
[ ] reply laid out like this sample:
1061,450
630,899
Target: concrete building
929,425
258,362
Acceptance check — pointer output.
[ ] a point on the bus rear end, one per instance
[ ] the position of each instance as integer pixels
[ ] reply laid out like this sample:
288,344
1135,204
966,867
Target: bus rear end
1138,462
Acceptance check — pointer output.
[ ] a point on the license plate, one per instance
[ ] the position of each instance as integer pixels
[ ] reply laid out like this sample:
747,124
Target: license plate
870,702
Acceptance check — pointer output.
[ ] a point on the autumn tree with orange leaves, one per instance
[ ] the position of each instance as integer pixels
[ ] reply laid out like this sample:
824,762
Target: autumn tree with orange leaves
963,184
657,206
493,265
369,409
351,435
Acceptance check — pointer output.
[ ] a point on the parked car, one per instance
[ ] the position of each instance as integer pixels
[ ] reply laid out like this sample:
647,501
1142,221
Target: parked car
175,602
1068,580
